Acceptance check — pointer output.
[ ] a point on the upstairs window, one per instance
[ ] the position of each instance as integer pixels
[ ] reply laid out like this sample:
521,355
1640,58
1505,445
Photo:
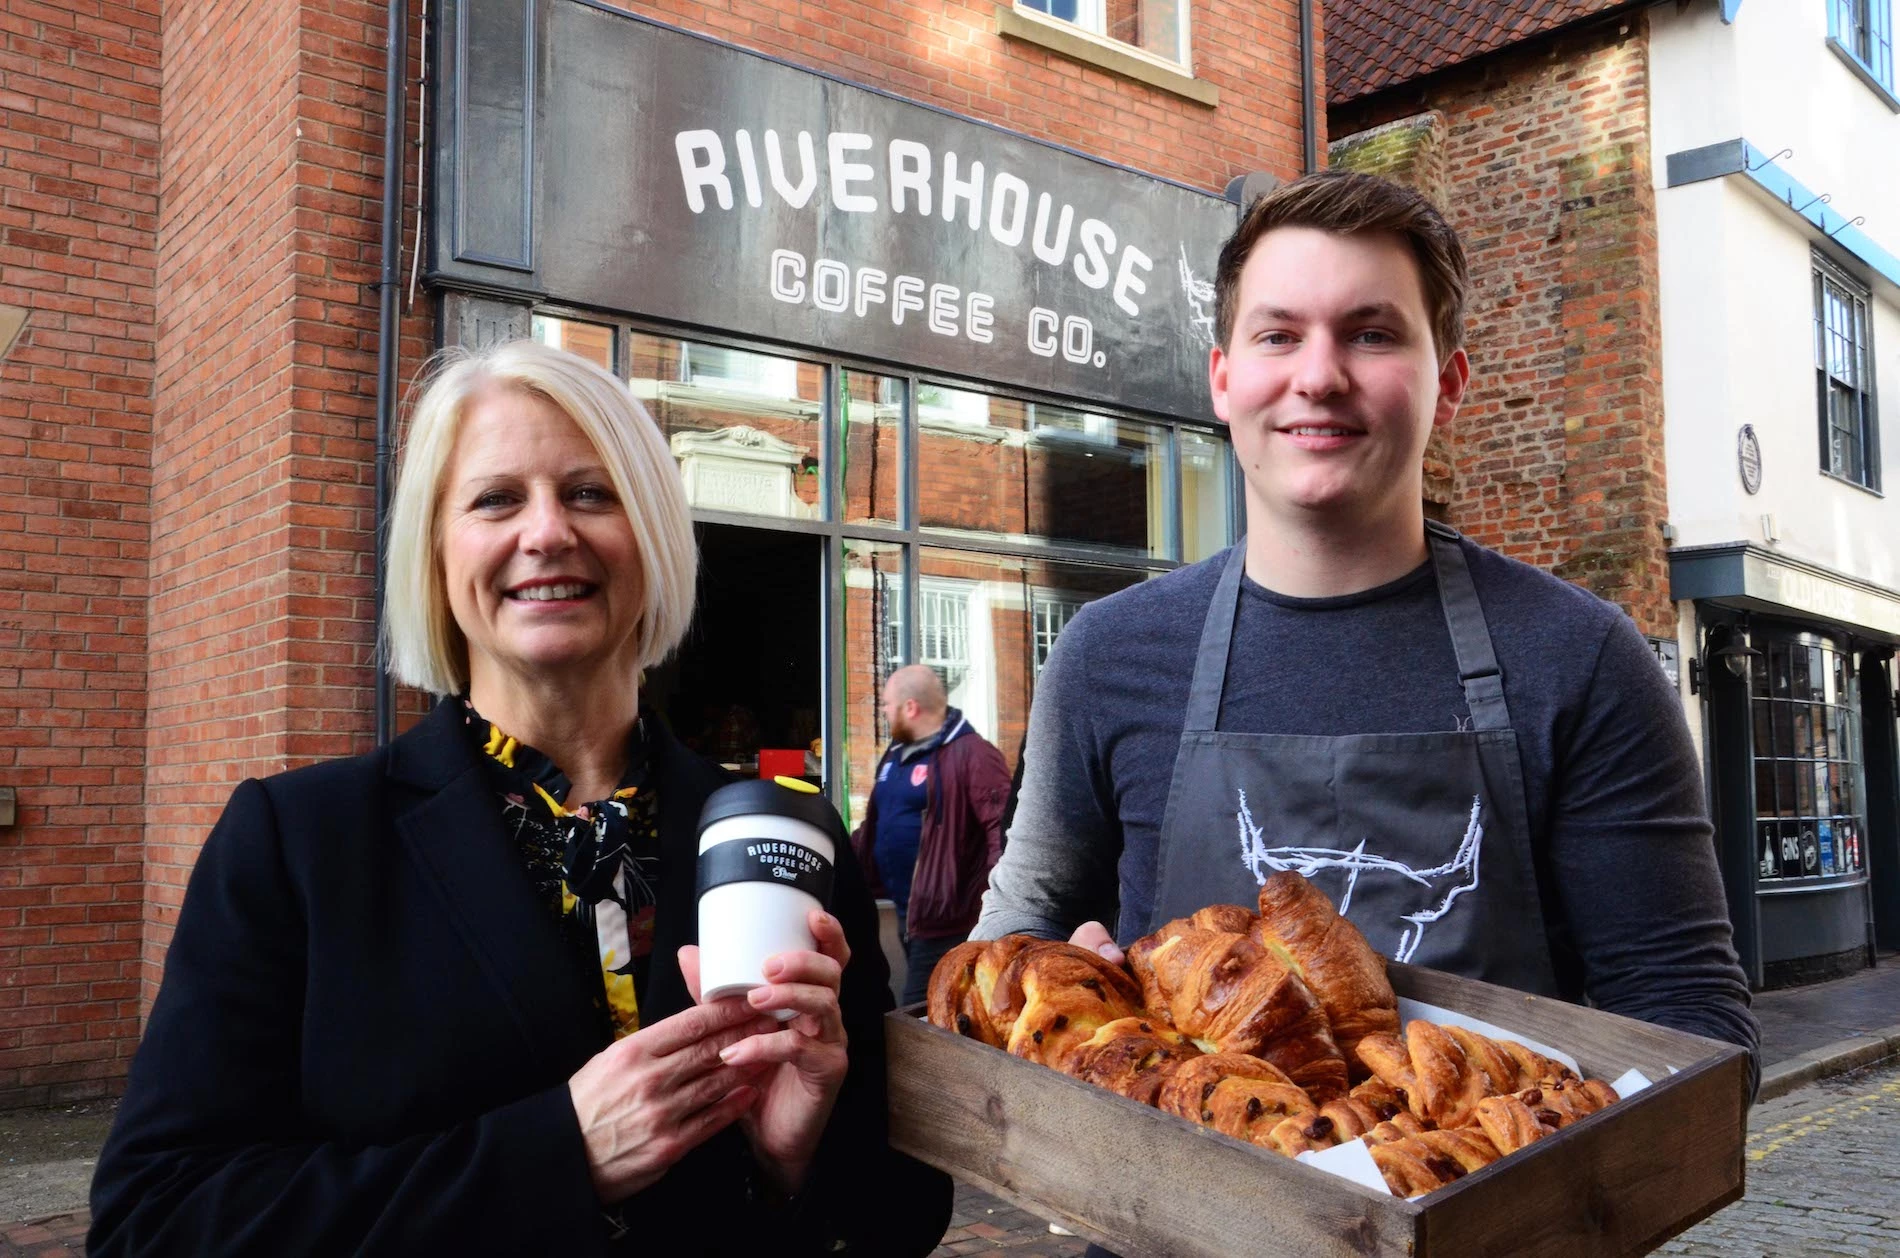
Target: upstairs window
1843,374
1157,27
1863,29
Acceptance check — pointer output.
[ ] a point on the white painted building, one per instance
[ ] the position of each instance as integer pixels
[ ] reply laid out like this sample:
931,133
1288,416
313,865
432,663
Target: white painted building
1775,128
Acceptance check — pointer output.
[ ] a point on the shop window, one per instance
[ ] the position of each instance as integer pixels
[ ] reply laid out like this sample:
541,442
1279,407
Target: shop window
941,404
589,340
744,426
1158,27
1863,30
1843,372
873,648
720,367
1206,490
1050,475
871,413
1810,810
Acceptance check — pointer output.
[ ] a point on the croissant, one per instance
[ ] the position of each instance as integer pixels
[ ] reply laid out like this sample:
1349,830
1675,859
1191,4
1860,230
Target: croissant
1226,992
1248,1099
1300,927
1068,994
1439,1084
1134,1056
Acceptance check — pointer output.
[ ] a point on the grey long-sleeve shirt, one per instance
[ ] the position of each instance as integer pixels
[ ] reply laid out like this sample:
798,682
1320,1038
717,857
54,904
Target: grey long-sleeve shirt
1618,817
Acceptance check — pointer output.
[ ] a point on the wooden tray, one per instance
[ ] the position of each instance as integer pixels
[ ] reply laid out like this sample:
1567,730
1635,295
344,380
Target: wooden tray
1148,1185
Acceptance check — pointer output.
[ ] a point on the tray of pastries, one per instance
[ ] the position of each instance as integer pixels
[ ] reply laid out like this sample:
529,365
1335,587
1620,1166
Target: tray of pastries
1246,1083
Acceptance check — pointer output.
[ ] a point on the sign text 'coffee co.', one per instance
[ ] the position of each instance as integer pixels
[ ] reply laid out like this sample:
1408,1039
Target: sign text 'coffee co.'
599,159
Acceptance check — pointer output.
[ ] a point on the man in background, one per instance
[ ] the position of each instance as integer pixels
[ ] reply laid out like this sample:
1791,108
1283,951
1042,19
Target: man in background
933,826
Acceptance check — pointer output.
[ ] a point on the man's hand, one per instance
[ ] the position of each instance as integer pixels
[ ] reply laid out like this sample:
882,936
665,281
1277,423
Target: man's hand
645,1101
1095,937
798,1065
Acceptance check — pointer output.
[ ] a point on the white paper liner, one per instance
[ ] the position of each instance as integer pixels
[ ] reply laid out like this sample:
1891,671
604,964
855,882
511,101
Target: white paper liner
1353,1160
1632,1081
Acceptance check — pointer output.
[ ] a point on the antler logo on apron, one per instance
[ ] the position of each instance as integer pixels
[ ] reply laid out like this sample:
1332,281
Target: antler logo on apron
1453,878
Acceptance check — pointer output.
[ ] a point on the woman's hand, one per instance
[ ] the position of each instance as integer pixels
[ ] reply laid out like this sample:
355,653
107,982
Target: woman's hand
645,1101
800,1065
1095,937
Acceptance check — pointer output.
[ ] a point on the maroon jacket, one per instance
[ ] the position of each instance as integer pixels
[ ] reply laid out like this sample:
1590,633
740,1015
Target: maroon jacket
962,833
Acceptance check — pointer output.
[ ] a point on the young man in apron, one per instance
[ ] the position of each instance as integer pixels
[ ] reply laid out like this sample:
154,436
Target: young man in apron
1481,764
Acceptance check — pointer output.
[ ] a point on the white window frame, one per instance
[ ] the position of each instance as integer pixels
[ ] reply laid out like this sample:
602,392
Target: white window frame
1091,16
1844,372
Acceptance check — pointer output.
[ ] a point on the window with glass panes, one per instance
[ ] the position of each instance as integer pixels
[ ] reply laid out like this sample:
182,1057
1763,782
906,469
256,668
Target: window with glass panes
1159,27
964,527
1864,28
1810,812
1843,371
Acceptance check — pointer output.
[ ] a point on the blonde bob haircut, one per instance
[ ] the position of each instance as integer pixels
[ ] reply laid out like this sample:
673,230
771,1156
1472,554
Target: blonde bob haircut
422,643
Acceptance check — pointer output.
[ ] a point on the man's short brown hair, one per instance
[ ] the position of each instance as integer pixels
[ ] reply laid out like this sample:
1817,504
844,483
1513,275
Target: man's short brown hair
1349,204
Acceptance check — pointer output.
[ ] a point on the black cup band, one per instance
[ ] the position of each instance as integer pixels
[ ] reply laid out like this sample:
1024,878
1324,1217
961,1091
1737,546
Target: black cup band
776,861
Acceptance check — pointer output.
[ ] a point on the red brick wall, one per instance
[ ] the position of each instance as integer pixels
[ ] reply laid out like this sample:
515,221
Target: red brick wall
1541,161
947,53
79,152
262,466
186,429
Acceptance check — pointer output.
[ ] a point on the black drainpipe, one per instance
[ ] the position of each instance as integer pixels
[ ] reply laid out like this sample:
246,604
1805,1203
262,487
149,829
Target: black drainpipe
1309,120
389,327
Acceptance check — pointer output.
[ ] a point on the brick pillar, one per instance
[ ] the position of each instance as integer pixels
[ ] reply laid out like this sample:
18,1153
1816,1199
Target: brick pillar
262,563
78,212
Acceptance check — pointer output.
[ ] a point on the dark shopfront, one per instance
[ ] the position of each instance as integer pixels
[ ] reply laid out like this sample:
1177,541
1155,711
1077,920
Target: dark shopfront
932,385
1797,677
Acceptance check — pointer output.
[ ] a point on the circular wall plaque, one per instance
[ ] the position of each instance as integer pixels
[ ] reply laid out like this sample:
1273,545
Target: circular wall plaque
1748,455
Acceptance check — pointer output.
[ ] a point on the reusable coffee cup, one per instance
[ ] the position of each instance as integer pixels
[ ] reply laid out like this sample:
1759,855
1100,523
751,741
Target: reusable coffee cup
765,853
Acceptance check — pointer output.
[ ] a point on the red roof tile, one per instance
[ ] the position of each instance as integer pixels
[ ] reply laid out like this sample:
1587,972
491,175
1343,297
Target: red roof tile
1375,44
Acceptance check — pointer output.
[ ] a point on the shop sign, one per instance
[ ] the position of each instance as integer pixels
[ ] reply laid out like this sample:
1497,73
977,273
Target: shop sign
1807,591
673,177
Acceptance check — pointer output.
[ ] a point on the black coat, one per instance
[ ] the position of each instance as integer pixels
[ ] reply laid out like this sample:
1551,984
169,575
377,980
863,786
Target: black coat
367,1023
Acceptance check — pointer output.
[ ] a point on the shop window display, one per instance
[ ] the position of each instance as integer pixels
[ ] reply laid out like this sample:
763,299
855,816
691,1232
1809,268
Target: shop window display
1809,807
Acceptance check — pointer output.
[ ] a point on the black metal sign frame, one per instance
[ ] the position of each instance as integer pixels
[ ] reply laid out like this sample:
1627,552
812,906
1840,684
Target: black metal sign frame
592,157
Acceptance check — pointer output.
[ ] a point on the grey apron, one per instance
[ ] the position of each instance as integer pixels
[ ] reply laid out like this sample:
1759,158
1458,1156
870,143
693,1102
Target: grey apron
1422,840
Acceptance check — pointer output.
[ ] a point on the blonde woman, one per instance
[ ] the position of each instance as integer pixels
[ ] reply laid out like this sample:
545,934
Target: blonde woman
442,998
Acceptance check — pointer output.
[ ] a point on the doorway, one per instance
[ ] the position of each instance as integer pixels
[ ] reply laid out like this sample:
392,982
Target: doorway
749,678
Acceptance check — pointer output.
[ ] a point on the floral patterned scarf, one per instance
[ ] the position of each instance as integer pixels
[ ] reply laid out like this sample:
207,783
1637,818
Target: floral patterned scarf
595,866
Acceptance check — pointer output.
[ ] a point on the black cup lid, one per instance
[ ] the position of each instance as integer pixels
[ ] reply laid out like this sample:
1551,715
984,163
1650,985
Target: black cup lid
761,796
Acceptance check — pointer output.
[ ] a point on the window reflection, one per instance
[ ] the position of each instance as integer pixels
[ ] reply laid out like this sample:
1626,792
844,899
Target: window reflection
744,426
871,412
1031,472
874,646
589,340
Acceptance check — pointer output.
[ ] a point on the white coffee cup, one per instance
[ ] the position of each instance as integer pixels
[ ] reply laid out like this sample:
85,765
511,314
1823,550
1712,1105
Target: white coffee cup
767,848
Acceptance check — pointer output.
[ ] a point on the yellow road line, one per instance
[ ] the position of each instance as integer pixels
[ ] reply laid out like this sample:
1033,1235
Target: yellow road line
1809,1124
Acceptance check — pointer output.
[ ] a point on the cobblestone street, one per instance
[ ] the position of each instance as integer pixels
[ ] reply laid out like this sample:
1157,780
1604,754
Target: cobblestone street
1823,1175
